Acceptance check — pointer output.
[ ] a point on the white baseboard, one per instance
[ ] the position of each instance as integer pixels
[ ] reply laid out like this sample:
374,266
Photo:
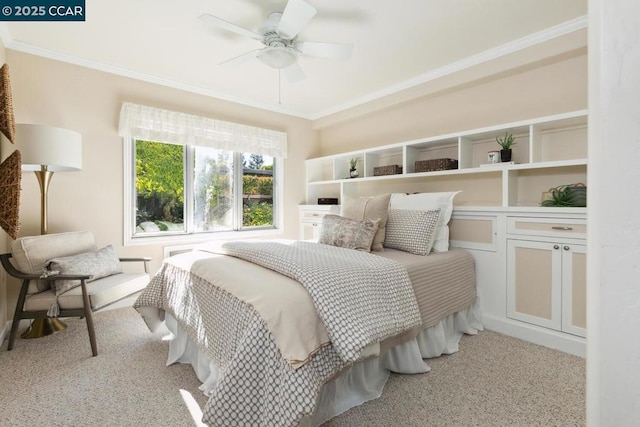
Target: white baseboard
4,332
546,337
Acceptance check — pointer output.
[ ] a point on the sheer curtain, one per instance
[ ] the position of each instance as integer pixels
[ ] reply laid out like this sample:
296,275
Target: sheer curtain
156,124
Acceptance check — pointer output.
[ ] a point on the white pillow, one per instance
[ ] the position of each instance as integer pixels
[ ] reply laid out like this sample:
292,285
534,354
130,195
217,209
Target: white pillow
425,202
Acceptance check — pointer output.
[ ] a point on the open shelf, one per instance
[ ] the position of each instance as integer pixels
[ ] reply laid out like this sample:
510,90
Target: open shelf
549,151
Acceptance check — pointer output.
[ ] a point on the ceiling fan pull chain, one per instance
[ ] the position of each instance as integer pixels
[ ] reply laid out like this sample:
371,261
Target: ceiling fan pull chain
279,87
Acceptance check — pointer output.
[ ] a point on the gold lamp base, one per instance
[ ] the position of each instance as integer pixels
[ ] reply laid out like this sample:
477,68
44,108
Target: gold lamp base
43,327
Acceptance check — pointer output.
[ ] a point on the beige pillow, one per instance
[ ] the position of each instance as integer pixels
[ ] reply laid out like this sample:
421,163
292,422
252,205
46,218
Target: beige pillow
348,233
374,207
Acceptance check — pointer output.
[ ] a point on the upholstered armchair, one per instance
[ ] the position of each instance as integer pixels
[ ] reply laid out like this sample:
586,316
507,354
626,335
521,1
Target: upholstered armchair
65,275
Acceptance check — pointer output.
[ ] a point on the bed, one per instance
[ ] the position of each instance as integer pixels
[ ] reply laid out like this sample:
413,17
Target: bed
262,365
249,381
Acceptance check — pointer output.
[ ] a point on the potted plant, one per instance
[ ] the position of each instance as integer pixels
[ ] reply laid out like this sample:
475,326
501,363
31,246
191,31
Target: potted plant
505,144
353,164
573,195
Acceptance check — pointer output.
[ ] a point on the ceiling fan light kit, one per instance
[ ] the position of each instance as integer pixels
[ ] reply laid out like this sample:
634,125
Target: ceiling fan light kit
278,34
277,57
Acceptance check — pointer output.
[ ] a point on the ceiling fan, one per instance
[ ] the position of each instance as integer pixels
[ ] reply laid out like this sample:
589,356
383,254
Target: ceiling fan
278,34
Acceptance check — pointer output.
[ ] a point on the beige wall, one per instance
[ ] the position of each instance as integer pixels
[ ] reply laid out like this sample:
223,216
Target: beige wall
557,87
4,238
88,101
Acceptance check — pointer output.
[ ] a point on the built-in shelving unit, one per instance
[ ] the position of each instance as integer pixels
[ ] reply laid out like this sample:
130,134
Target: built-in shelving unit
549,151
530,260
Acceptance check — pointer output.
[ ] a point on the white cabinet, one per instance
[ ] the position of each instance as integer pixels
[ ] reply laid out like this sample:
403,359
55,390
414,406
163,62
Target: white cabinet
546,277
311,219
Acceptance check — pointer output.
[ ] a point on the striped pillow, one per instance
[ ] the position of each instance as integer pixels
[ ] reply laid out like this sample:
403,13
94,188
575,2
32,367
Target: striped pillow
411,230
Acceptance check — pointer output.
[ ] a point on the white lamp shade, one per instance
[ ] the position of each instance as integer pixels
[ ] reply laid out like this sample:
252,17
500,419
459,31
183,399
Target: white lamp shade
57,148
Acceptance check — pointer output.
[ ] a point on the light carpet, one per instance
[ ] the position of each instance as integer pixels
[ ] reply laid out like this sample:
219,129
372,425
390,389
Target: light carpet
494,380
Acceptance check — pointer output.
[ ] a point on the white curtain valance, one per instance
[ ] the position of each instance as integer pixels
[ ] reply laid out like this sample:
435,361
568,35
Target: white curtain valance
156,124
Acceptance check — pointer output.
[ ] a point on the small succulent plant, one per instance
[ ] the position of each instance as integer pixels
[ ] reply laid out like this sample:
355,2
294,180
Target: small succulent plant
353,163
507,141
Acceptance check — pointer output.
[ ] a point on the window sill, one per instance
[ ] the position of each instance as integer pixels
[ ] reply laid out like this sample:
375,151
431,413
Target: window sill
178,239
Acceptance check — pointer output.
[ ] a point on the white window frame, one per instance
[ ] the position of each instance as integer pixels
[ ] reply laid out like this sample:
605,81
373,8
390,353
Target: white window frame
129,202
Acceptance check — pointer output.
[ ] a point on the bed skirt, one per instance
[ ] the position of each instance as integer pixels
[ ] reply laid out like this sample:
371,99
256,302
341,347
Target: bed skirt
363,381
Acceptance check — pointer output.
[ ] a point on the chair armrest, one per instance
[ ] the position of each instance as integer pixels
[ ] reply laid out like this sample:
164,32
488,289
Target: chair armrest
55,277
145,260
8,266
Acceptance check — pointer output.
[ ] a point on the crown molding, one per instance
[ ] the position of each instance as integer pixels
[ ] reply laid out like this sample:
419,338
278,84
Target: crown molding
5,35
63,57
471,61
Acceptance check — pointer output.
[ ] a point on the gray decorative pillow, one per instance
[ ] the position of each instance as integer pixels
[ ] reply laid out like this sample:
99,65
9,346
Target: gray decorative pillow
348,233
101,263
411,231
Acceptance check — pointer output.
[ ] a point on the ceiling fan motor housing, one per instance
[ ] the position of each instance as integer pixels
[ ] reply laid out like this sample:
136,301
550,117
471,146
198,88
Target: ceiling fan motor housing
280,52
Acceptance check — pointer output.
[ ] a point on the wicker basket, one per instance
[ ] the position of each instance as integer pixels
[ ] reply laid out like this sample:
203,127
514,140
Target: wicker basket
387,170
436,165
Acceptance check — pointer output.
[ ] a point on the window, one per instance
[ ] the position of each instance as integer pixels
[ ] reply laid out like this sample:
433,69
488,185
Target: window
183,189
187,174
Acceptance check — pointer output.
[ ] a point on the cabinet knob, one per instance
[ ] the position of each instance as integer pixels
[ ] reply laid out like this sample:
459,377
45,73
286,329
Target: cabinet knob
562,228
556,246
566,248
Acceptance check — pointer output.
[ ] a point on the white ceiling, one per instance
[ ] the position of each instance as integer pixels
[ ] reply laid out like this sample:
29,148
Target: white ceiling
396,44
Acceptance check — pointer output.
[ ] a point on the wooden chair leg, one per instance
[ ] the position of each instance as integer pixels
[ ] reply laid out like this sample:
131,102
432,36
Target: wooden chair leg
14,331
92,334
17,316
89,316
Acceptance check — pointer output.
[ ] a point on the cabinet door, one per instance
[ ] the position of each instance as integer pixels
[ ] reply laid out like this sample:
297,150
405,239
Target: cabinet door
310,230
534,288
574,289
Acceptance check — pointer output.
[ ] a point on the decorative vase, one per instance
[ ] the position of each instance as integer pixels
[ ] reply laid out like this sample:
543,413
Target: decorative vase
353,173
505,155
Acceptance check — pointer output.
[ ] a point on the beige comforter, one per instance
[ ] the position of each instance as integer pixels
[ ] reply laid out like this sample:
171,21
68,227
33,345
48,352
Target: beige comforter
282,302
444,283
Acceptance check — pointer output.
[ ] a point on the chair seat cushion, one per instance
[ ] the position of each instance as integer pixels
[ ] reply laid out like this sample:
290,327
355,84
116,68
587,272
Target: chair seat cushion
101,292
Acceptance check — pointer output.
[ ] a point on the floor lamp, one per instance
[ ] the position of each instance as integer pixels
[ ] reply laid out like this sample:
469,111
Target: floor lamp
45,150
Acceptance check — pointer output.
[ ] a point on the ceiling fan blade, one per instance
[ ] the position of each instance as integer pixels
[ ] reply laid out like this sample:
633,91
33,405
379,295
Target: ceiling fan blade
295,17
325,50
294,73
215,22
252,54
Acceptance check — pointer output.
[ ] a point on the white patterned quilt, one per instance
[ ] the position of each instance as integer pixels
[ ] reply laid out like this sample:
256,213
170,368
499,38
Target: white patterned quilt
361,298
